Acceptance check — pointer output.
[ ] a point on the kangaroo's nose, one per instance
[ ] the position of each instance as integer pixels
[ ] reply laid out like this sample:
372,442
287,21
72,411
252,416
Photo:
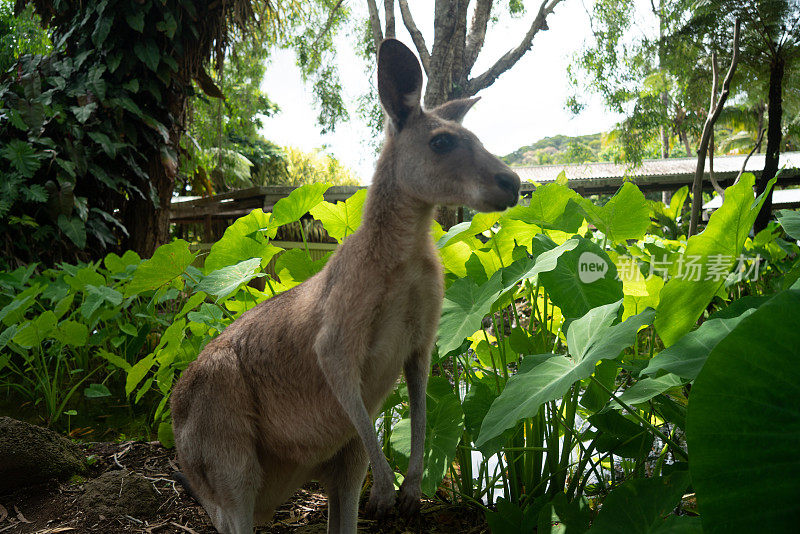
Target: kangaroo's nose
508,181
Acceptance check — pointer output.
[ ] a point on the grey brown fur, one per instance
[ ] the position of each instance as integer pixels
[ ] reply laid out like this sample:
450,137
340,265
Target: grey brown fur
288,392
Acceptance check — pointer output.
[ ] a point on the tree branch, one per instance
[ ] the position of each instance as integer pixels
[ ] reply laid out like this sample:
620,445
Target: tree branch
388,10
416,36
714,183
328,24
752,151
511,57
375,24
708,129
477,33
714,82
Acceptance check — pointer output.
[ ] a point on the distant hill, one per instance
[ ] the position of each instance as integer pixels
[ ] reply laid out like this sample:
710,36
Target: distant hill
558,149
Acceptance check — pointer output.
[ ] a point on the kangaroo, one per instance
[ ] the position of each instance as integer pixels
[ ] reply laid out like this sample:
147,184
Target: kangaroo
288,392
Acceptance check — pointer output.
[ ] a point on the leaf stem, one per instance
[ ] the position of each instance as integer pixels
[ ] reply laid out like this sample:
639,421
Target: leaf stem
666,439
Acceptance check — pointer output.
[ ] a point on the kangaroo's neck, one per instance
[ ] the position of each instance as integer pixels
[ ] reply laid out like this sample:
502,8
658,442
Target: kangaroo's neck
397,226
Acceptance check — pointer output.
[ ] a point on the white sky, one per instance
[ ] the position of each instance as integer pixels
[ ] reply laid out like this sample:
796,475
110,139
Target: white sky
524,105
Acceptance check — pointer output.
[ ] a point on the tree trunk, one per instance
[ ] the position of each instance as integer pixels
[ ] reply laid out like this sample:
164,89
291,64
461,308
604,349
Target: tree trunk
146,222
687,146
774,135
449,61
761,109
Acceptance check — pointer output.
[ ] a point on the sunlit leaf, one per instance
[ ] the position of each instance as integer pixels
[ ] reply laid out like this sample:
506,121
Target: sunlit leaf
625,216
683,299
466,303
244,239
223,282
298,203
168,263
343,218
552,206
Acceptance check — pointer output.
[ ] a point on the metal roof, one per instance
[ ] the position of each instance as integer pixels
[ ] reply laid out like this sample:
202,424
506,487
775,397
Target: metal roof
781,198
651,173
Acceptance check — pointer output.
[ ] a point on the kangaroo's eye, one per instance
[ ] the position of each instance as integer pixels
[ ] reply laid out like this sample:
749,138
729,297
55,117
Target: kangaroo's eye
442,143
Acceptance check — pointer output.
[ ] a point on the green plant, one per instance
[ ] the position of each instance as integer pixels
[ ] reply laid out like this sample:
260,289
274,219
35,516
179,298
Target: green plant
563,369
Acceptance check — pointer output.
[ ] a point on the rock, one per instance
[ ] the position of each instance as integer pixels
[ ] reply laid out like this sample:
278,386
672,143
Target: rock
31,455
117,493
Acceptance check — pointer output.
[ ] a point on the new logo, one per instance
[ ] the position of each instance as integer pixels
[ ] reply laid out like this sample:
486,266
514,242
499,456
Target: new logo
591,267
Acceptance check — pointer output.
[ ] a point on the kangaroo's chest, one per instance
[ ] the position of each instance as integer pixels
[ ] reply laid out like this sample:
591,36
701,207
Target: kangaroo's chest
404,324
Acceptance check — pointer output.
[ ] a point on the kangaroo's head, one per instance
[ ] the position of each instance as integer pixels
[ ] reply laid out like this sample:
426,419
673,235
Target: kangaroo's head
435,159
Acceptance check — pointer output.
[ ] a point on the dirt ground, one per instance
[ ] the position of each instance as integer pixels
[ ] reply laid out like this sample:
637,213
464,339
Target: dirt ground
79,505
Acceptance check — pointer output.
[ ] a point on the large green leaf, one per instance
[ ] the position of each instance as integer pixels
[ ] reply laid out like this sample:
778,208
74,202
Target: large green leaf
243,239
101,30
643,506
466,303
625,216
33,332
687,356
445,423
513,234
561,516
509,518
74,229
117,264
168,262
223,282
479,224
646,388
743,426
84,278
15,311
96,391
96,296
295,267
790,220
298,203
343,218
72,333
589,339
621,436
552,206
138,371
684,299
147,52
22,157
584,278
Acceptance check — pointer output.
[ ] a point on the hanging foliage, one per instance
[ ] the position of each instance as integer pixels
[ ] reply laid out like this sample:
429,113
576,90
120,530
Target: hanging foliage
90,133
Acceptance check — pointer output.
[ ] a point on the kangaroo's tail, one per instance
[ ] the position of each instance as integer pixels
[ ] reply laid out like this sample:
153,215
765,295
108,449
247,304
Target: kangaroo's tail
179,477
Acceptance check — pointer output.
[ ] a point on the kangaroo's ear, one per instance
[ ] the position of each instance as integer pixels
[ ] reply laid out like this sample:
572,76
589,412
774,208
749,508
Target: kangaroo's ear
399,82
455,109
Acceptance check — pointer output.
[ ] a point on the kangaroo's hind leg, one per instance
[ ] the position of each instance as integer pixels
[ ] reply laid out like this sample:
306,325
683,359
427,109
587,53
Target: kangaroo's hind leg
343,477
227,488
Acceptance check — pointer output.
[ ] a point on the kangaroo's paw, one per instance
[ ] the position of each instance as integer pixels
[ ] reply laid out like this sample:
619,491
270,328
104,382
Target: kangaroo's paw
381,502
409,498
